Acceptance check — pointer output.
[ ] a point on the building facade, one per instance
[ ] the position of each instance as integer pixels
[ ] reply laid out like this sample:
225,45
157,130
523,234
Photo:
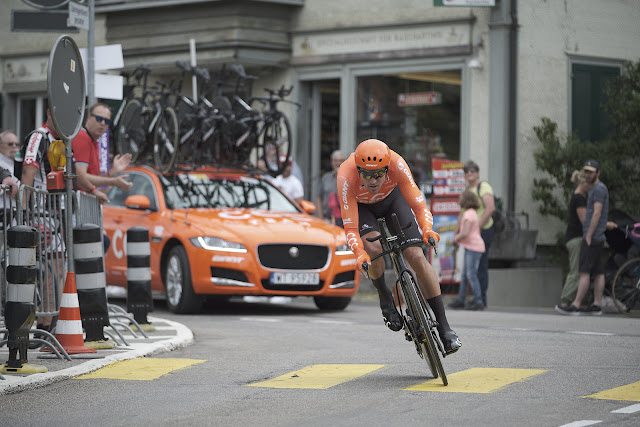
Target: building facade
432,81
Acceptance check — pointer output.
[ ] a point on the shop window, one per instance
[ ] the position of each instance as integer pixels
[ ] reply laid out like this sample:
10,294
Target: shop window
416,114
589,120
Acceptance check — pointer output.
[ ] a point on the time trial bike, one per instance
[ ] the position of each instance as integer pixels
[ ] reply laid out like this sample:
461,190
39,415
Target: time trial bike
420,326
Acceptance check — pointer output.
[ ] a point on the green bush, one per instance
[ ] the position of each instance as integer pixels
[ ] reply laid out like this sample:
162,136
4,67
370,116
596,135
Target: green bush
619,156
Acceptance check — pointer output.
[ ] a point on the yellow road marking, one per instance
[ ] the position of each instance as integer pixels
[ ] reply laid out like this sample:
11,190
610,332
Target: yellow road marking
318,376
626,392
478,380
140,369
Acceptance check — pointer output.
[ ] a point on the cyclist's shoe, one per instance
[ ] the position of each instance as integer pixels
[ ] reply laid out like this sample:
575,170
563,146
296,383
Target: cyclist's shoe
391,318
450,341
593,310
457,304
570,310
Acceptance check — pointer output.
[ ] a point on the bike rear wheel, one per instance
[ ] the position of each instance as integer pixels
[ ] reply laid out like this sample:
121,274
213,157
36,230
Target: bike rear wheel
131,132
425,339
165,140
626,288
277,133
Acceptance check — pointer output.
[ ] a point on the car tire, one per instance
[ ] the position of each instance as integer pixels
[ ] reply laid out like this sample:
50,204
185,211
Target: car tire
177,282
332,303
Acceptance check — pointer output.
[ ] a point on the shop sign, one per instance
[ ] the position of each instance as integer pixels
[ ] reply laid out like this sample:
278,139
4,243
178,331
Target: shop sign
448,183
383,39
419,98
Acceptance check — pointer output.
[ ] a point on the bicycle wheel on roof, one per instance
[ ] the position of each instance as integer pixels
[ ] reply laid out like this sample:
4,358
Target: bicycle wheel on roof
131,132
277,137
165,140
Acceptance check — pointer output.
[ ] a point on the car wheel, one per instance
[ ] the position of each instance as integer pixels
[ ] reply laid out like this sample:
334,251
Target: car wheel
177,282
332,303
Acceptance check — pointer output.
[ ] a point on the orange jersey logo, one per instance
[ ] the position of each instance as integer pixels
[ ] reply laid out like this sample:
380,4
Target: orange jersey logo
352,192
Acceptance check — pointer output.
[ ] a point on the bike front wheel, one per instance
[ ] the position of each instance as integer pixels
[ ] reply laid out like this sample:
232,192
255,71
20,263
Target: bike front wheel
131,135
165,140
626,288
425,335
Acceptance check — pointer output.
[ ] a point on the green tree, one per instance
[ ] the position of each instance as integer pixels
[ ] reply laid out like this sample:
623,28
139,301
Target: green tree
619,156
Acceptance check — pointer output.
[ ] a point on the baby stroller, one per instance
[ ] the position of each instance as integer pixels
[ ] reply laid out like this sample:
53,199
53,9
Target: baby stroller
622,270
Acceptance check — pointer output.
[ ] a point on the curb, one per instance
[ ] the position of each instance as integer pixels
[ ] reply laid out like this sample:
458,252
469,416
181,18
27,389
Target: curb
183,338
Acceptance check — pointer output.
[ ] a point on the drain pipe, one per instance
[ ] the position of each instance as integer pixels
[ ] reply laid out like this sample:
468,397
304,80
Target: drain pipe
512,128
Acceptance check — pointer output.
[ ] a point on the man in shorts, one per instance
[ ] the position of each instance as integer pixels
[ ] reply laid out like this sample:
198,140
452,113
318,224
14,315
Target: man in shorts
376,182
593,238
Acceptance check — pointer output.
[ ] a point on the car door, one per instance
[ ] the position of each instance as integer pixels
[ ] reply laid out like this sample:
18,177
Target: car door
117,219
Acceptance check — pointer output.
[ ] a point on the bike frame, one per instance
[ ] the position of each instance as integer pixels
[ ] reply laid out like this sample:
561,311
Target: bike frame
419,322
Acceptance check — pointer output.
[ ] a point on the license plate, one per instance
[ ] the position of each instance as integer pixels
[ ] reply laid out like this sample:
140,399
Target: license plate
291,278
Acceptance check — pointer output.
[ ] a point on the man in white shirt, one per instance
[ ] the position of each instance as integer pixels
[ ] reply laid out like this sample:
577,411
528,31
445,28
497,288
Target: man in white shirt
289,184
9,146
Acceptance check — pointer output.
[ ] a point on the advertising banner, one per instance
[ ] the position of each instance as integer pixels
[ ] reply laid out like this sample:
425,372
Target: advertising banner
448,184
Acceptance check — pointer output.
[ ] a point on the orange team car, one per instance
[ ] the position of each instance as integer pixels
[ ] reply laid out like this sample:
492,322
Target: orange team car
225,233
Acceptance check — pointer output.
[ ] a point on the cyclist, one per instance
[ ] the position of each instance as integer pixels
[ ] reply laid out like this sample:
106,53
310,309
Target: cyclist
375,182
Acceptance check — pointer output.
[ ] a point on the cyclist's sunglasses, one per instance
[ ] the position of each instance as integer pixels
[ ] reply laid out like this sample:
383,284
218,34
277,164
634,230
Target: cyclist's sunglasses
99,119
367,174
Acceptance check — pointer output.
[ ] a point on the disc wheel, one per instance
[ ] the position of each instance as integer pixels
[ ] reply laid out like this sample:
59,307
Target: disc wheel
626,288
424,336
131,133
277,135
165,140
181,298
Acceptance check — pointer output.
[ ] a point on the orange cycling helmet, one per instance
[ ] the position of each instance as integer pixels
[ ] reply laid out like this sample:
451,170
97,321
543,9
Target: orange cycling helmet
372,154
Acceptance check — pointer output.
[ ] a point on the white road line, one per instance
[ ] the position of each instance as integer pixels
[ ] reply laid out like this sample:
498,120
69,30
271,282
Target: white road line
591,333
628,409
581,423
260,319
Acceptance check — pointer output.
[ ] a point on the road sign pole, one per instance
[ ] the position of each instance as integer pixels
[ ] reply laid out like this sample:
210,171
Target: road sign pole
91,42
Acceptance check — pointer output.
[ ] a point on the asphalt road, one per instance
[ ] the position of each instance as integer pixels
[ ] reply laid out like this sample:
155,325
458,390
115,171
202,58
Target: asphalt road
290,364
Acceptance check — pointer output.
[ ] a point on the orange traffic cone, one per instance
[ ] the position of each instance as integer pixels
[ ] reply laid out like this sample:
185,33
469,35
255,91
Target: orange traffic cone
69,325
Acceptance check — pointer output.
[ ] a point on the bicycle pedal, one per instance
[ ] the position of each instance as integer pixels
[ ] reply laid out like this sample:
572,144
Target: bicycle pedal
407,336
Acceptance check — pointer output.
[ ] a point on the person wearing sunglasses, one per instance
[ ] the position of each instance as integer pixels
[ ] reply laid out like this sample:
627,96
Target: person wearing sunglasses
376,182
86,153
9,146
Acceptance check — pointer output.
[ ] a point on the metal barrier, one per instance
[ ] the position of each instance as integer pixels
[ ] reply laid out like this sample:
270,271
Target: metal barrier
45,212
8,209
87,209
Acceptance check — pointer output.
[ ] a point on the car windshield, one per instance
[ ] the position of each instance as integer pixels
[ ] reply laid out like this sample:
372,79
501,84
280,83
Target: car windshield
205,190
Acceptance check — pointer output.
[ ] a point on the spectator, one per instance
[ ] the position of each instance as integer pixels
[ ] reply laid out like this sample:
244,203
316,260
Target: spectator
573,237
9,146
468,236
289,184
86,153
7,179
272,161
35,168
593,228
327,192
484,193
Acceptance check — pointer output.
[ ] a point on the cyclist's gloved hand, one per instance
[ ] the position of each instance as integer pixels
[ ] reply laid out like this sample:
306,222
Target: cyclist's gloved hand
362,257
430,233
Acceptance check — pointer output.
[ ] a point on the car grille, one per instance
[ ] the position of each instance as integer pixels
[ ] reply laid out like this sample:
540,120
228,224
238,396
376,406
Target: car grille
309,257
266,283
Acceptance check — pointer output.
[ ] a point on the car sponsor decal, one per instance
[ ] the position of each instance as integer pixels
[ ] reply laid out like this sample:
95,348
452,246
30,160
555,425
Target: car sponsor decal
227,258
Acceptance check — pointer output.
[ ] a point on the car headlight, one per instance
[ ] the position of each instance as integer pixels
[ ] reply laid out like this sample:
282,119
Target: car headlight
343,250
217,244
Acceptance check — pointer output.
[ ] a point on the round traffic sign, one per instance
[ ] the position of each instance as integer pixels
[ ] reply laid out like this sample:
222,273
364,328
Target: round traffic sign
66,86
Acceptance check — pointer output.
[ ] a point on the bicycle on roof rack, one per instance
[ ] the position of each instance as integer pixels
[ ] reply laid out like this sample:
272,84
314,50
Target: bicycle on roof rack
419,321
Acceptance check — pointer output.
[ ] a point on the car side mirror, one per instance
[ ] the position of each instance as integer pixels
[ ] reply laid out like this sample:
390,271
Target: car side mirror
138,201
308,206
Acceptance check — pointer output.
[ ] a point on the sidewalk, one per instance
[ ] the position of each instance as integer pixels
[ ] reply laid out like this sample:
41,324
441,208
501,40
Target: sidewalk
168,336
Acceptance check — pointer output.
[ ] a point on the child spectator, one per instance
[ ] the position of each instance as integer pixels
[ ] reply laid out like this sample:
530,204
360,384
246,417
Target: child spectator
468,236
